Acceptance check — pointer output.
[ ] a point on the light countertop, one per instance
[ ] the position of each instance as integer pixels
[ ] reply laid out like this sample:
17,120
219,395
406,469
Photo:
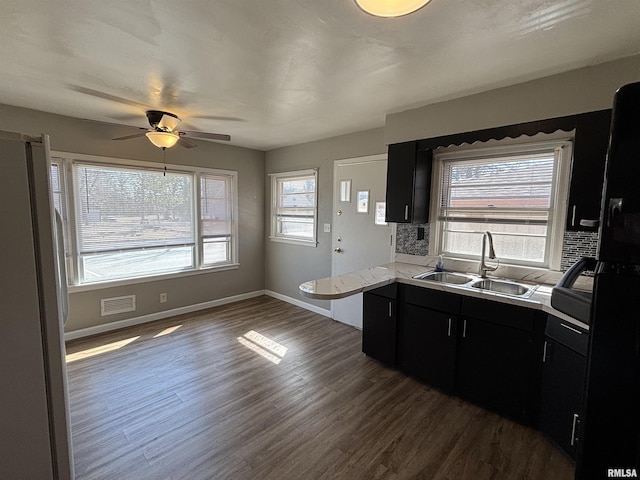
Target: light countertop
340,286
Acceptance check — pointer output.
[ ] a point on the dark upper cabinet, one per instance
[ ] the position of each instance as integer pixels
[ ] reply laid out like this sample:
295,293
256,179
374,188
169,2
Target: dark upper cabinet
379,324
408,183
587,170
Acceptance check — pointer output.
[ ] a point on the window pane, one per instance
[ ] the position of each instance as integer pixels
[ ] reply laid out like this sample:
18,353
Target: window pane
124,209
216,250
298,192
215,205
513,242
112,266
518,183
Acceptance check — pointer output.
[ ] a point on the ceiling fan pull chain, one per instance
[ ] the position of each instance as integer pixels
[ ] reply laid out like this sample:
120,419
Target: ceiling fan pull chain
164,160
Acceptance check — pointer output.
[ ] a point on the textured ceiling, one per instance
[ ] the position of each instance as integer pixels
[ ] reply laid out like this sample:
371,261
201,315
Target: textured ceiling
279,72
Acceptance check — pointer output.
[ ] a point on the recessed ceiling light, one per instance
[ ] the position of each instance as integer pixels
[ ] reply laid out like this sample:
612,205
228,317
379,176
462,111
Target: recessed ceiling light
390,8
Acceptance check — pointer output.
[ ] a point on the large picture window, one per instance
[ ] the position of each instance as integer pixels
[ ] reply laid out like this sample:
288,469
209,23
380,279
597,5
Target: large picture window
294,207
132,221
515,192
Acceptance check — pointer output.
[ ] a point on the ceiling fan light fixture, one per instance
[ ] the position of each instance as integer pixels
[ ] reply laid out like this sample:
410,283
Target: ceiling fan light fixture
390,8
163,139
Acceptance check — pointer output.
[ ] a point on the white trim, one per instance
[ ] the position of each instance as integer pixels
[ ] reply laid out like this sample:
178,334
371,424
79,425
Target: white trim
562,145
299,303
108,327
85,287
273,235
293,241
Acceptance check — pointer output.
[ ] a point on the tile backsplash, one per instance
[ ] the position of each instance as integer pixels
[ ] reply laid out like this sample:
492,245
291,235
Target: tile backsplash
574,245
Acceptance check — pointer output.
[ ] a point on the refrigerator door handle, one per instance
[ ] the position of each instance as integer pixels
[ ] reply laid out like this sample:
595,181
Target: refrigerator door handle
62,268
615,208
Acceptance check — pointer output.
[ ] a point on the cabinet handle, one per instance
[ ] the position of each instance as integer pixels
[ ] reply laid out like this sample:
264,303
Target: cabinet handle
390,315
544,352
464,329
573,428
573,216
572,329
406,212
449,329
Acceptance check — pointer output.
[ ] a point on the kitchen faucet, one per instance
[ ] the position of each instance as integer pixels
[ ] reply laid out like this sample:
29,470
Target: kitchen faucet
484,268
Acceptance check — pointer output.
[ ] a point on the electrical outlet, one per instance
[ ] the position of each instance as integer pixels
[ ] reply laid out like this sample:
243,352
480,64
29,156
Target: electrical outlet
163,298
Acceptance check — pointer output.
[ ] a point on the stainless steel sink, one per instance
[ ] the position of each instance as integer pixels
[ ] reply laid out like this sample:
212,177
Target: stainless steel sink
445,277
505,287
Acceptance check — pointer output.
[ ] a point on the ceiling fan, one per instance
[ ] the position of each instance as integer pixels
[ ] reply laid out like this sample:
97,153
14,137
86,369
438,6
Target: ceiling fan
163,134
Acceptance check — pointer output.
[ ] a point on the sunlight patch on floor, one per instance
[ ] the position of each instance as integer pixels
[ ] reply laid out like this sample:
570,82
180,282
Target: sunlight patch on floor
92,352
263,346
167,331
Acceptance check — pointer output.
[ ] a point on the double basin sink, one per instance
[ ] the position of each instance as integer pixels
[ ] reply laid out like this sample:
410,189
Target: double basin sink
500,286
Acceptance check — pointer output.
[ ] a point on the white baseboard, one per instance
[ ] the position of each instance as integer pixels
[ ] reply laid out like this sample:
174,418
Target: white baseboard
299,303
107,327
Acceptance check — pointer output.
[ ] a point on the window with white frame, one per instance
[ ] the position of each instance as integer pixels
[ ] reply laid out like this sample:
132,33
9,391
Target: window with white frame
128,220
518,193
294,207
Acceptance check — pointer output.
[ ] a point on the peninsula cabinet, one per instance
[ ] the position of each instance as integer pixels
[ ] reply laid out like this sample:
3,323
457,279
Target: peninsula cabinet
379,324
408,183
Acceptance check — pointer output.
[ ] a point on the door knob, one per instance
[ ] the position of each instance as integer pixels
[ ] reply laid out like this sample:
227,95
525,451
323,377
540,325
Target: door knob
337,250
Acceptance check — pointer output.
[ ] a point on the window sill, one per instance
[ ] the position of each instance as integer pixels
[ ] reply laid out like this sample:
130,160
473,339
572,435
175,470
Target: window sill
304,243
151,278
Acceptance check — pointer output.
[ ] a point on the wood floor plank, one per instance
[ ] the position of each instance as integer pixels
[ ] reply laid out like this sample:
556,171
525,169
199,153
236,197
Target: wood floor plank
261,389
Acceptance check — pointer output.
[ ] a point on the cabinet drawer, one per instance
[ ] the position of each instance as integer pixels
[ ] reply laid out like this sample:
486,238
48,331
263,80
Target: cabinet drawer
433,299
388,291
500,313
568,334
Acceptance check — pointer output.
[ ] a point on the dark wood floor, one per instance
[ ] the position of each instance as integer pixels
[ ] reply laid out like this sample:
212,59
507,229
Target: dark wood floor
220,398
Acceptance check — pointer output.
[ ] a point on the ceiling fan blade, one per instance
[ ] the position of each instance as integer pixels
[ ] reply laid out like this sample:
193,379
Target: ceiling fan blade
107,96
208,136
128,137
183,142
218,117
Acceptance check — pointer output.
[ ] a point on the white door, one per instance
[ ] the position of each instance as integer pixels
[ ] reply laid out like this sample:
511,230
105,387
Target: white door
361,239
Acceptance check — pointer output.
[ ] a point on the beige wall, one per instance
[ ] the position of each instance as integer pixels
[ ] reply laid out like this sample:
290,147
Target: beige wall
287,266
578,91
77,136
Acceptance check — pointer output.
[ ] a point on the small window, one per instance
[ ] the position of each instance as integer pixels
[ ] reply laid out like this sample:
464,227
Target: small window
294,207
517,193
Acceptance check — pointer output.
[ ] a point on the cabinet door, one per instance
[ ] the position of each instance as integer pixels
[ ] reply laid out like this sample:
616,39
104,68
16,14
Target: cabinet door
493,367
587,170
401,165
379,328
408,183
429,346
562,391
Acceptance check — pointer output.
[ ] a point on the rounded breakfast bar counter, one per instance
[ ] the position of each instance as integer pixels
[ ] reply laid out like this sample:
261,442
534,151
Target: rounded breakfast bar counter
341,286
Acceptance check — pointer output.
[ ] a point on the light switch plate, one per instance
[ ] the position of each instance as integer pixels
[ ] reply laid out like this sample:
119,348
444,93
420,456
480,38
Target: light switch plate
327,228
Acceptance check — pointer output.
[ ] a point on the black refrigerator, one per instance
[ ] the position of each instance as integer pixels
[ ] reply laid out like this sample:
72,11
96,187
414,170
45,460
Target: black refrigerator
610,430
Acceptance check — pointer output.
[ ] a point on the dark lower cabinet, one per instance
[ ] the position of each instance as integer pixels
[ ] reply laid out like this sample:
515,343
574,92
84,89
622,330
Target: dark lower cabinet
494,367
563,383
429,346
379,325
